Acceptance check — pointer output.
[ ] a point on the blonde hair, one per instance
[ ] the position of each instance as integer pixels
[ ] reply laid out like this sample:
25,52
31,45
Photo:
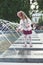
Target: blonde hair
21,12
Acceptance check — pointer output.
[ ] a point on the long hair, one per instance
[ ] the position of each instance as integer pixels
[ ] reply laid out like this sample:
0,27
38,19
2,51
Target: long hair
22,13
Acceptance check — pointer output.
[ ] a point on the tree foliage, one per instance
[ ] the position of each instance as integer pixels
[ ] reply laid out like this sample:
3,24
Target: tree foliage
40,23
9,8
40,2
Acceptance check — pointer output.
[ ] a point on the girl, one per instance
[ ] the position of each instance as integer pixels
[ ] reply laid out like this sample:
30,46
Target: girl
25,26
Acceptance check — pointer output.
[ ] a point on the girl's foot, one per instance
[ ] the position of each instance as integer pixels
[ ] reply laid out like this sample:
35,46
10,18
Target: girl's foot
25,45
30,45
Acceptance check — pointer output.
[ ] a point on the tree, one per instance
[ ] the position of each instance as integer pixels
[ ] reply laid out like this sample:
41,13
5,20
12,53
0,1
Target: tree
40,23
40,2
9,9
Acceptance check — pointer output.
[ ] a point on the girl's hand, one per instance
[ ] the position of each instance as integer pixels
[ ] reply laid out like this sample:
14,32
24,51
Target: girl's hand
21,30
17,30
27,25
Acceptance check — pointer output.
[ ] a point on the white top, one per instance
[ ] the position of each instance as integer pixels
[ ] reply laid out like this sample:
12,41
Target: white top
25,24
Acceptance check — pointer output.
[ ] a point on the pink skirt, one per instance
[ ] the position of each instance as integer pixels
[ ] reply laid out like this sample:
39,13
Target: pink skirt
27,32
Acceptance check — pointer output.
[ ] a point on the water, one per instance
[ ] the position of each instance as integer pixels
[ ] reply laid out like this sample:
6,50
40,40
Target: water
9,36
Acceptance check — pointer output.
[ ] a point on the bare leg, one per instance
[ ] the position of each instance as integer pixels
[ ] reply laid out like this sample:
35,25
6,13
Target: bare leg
25,37
30,40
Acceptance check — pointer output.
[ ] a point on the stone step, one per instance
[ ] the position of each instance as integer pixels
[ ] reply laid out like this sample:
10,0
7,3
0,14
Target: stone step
34,42
23,56
33,39
27,43
28,37
22,47
16,60
11,52
35,48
